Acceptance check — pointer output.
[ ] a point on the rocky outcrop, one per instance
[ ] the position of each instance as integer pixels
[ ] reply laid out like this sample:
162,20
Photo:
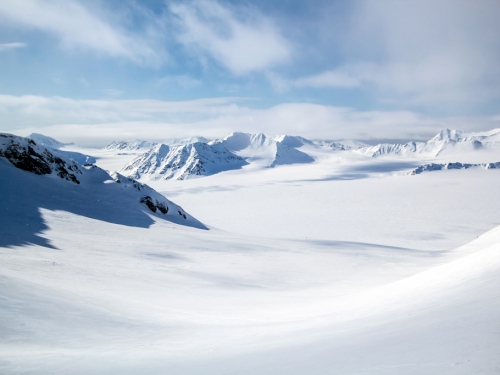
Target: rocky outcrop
25,154
438,167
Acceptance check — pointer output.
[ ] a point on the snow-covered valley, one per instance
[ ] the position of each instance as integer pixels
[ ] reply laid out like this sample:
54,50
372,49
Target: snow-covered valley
336,262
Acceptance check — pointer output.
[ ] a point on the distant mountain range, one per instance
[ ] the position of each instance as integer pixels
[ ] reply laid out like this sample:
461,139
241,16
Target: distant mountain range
194,157
445,143
197,156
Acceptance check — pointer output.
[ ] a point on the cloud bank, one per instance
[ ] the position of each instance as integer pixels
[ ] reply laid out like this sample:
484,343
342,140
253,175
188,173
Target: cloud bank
97,122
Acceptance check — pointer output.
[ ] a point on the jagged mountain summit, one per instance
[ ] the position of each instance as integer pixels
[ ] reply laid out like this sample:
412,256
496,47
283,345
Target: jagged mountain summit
130,145
183,162
142,145
445,143
97,188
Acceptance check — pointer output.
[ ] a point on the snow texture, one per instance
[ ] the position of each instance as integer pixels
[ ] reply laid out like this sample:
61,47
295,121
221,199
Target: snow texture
347,265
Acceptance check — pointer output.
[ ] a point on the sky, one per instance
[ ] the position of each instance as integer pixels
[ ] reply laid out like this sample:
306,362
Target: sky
94,71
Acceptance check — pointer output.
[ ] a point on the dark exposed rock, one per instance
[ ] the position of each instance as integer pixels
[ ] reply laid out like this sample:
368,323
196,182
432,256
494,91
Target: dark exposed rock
154,205
41,162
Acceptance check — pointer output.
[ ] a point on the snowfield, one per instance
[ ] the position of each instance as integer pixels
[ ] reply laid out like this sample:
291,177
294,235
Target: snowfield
344,264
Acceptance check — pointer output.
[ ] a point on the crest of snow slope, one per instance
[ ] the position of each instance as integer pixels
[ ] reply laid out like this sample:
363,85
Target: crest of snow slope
55,147
183,162
93,182
447,142
49,142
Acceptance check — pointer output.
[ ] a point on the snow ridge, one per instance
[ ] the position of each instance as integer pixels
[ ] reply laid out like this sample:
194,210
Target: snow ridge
26,155
49,142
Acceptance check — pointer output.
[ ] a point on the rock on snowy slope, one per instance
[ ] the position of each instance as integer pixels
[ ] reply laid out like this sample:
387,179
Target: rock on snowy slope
440,166
54,146
26,155
183,162
446,142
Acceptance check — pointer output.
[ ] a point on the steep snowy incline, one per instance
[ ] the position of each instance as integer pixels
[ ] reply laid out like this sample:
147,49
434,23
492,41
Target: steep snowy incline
447,142
33,177
183,162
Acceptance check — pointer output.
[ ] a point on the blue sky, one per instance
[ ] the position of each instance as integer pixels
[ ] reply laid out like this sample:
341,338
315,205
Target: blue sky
92,71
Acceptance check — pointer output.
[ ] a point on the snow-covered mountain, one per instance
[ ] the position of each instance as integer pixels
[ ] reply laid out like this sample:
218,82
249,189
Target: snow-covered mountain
130,145
97,184
182,162
447,142
197,156
268,151
141,145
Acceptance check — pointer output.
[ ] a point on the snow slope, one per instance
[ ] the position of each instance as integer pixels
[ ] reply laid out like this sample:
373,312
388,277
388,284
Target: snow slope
106,288
33,178
182,162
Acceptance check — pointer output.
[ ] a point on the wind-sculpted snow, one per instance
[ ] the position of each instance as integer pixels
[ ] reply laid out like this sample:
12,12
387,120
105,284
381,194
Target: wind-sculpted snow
457,165
183,162
446,142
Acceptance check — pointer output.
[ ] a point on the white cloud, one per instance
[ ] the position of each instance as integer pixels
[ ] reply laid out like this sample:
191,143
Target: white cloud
96,122
424,53
9,46
242,43
76,26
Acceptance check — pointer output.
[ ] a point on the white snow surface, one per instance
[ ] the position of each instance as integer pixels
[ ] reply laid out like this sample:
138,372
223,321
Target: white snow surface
342,266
